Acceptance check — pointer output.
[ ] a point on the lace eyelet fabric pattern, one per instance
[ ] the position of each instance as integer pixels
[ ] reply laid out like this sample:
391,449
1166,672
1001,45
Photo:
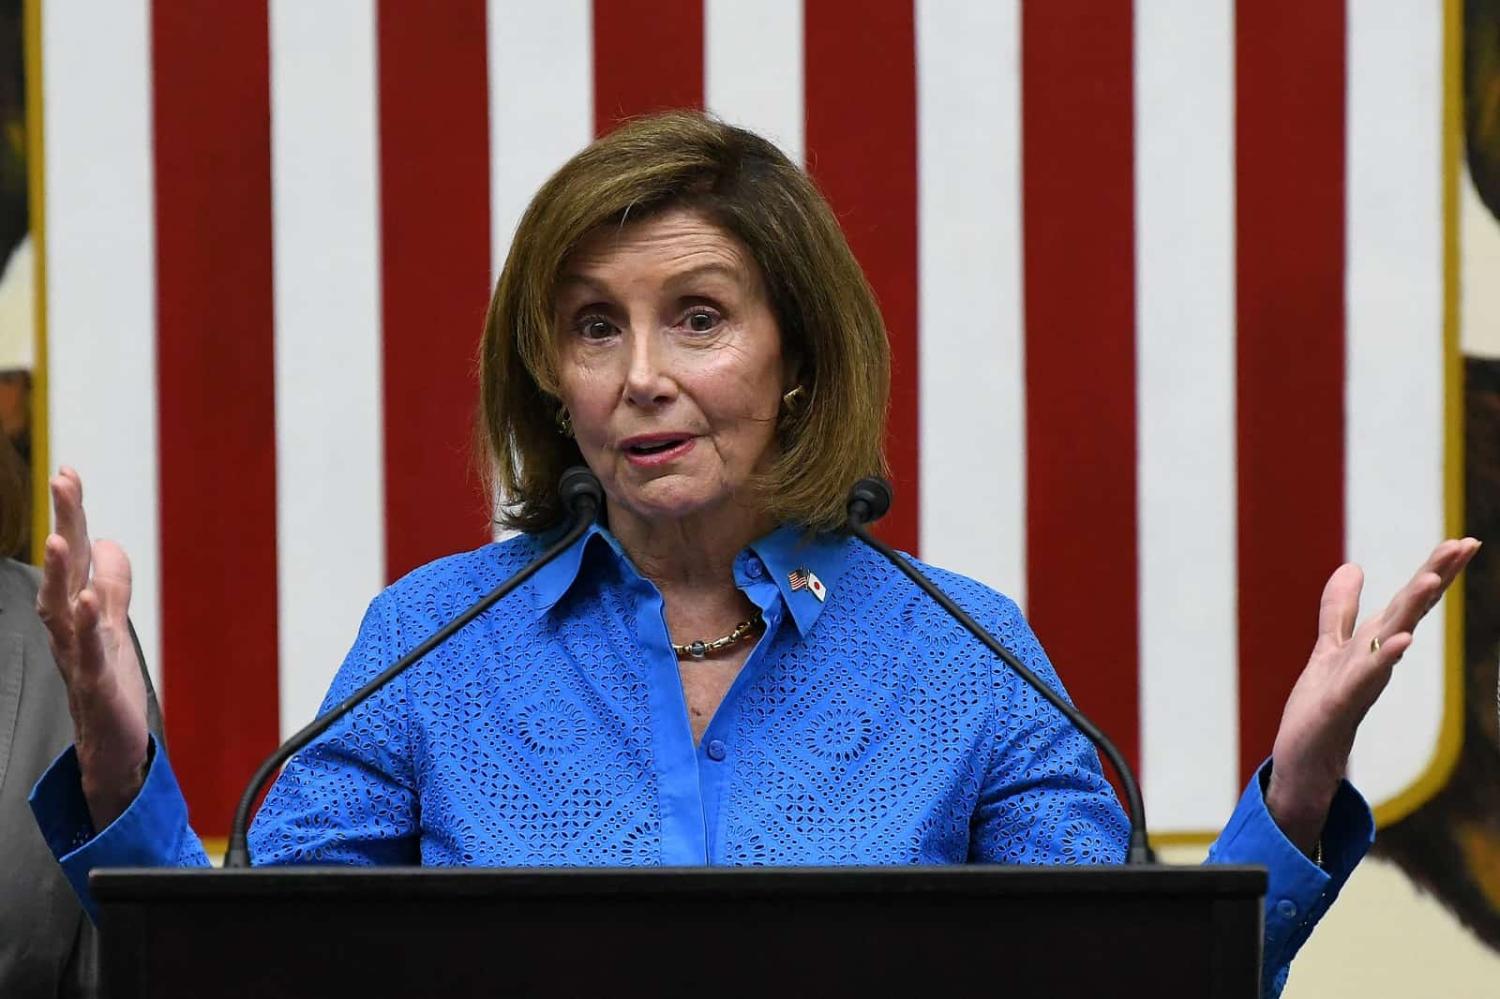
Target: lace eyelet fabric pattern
864,728
870,730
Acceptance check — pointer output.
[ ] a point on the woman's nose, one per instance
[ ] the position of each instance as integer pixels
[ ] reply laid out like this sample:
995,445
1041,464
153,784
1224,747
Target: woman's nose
647,378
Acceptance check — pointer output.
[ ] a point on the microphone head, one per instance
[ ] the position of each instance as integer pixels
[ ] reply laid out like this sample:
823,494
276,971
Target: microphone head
869,500
580,489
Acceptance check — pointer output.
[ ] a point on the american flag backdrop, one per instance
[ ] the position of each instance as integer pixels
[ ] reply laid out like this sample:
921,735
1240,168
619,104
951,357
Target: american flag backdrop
1166,283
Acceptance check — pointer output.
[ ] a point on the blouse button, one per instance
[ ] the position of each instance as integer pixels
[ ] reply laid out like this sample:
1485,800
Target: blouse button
717,750
1287,909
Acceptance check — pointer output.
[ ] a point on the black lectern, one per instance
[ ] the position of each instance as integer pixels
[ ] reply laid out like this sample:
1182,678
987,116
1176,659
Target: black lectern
1015,931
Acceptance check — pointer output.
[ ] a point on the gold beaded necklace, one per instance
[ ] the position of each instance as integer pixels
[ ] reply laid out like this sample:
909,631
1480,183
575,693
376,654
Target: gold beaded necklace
701,649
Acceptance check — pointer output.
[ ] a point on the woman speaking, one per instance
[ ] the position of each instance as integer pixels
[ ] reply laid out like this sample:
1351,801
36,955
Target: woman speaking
714,673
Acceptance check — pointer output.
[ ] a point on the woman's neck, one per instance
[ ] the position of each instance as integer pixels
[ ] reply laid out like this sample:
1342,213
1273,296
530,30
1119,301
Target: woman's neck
696,551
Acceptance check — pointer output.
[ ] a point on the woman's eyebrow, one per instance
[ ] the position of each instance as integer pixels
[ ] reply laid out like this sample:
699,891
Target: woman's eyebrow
568,281
715,269
574,281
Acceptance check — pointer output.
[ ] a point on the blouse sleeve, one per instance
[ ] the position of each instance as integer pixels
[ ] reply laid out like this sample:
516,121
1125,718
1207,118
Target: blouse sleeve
1043,799
346,799
350,797
1298,891
153,830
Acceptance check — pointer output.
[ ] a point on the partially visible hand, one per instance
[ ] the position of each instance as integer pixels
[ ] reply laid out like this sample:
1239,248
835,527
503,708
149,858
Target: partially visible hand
1341,682
84,600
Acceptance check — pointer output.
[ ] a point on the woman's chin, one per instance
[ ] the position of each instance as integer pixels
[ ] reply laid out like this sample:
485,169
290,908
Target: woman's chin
672,497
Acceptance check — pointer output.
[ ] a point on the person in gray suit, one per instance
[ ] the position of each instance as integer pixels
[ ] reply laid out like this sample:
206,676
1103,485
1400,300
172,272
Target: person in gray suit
48,946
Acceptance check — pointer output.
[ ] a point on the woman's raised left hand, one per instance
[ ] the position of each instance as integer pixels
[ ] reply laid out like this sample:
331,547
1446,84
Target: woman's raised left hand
1349,668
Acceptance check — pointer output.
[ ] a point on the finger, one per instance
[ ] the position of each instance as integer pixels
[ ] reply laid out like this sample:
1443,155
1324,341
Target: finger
52,596
92,661
1422,592
1410,604
1340,604
1465,550
71,474
1449,558
1392,649
112,581
67,501
1372,679
1429,584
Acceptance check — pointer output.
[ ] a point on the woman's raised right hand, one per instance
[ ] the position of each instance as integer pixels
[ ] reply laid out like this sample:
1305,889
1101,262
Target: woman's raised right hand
84,600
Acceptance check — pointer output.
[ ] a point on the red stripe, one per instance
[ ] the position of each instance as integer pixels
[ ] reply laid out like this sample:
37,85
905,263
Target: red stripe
216,397
1078,189
861,125
648,56
1289,151
435,271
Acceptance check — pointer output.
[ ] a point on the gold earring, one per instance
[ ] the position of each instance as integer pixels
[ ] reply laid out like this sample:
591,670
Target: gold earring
564,422
789,401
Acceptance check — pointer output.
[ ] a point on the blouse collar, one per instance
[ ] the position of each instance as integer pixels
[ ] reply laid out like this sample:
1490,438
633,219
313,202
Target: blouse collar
789,556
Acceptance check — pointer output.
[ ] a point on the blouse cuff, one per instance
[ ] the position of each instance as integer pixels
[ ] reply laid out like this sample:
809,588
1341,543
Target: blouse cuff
1299,891
148,833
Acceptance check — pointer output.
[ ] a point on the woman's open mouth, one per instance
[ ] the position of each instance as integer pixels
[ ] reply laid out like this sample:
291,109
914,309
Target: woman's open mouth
656,449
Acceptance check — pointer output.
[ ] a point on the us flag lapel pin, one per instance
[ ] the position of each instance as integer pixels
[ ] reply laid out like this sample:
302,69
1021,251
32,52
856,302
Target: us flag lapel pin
804,579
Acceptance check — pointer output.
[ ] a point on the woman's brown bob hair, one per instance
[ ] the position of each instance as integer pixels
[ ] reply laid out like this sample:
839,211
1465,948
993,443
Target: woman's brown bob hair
831,328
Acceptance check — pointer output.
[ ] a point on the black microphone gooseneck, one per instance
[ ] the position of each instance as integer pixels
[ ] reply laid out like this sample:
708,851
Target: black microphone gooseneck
868,502
581,495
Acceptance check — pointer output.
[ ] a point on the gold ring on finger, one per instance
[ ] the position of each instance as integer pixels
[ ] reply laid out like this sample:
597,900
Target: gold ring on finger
1375,645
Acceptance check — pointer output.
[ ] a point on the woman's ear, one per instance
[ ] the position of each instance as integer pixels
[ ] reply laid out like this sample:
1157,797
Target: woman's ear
791,373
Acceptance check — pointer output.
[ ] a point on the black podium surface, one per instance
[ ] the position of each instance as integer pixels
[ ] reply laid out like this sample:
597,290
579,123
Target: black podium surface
1013,931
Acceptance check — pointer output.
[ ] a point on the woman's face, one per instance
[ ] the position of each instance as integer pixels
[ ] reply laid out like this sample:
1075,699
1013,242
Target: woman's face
670,364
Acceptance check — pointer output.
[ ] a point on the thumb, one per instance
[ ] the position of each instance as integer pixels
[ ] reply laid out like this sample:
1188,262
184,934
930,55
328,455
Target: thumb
112,581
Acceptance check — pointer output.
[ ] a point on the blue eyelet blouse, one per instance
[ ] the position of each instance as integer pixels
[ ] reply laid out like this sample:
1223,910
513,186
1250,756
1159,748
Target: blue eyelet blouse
866,727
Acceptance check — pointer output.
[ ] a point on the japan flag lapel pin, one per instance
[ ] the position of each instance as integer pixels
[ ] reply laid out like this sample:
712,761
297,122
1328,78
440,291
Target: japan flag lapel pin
804,579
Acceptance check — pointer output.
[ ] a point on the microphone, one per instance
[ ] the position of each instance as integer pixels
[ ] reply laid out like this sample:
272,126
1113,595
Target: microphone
581,495
869,500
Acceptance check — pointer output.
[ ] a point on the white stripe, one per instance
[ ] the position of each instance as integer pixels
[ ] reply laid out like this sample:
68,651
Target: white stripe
330,510
541,78
1184,178
101,279
972,369
1394,404
753,68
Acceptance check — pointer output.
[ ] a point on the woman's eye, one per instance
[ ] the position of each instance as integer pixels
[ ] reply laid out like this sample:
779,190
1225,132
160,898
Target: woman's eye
595,327
702,320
